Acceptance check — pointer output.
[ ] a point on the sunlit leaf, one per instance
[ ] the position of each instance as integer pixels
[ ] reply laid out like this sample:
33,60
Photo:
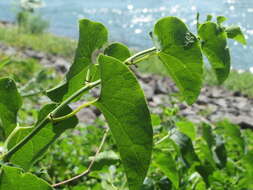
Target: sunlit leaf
181,54
185,146
187,128
12,178
214,46
36,147
235,33
118,51
10,103
4,62
219,152
124,106
233,133
93,36
167,165
221,19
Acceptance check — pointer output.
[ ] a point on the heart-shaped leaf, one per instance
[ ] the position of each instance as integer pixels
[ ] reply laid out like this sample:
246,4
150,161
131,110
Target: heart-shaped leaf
118,51
214,46
93,36
124,106
235,33
10,103
181,54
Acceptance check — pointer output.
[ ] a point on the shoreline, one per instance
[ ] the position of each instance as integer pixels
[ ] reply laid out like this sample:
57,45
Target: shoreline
71,42
215,103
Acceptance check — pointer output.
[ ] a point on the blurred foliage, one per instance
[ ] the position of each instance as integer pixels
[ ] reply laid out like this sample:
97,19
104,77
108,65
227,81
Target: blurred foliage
28,20
45,42
186,156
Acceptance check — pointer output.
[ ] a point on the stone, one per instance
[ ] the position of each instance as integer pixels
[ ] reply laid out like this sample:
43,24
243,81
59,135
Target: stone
61,65
161,87
34,54
149,91
86,116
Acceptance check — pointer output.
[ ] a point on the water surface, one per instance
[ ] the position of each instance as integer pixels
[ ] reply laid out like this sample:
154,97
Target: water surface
130,21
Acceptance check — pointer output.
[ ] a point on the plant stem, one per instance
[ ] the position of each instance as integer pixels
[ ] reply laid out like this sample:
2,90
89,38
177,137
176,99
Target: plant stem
131,60
162,139
32,94
135,58
47,120
58,119
86,172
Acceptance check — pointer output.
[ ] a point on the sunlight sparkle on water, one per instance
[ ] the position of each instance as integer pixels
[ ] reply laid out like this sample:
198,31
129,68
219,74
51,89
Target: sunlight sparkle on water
138,31
130,7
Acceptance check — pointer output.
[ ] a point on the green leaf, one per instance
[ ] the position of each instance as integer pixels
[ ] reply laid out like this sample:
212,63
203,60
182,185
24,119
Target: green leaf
124,106
205,144
167,165
12,178
185,146
207,134
233,133
118,51
219,152
221,19
215,151
10,103
214,46
181,54
103,159
209,17
189,83
235,33
156,120
187,128
4,62
36,147
93,36
148,184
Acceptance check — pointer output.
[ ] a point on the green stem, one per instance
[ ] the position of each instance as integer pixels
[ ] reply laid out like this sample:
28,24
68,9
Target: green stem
162,139
32,94
135,58
47,120
131,60
58,119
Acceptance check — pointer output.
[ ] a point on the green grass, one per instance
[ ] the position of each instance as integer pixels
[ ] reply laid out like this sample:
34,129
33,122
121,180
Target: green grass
45,42
242,82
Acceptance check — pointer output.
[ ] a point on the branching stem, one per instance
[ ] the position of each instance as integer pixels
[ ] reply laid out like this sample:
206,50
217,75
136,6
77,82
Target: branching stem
58,119
162,139
131,60
47,120
86,172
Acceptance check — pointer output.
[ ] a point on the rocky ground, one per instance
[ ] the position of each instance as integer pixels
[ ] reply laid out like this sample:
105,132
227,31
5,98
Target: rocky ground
214,103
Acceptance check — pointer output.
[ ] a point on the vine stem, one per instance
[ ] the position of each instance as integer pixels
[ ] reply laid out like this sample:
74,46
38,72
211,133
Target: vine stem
58,119
131,60
162,139
47,120
135,58
86,172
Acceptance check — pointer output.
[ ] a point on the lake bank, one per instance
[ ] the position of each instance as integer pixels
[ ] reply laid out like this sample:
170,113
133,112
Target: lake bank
214,103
